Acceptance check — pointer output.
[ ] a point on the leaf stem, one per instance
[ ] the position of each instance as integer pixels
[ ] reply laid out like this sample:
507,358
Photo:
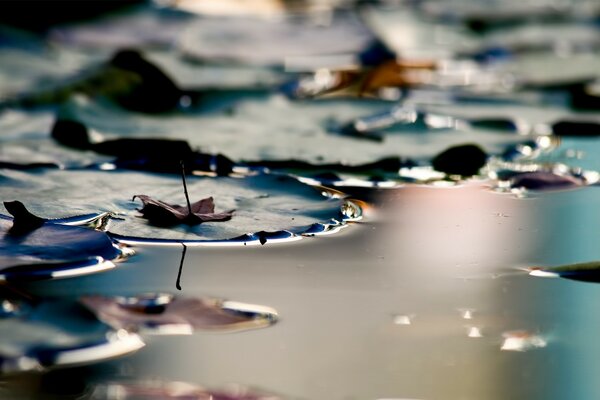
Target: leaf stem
187,196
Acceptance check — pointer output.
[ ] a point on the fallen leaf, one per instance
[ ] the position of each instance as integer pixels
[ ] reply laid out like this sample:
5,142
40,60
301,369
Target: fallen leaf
164,214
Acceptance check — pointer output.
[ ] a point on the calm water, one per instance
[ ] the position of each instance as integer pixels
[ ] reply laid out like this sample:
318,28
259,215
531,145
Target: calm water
418,303
427,297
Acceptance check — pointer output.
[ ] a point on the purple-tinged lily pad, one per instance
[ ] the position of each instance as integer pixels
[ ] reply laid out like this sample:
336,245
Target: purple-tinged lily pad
166,314
41,249
159,390
41,333
545,180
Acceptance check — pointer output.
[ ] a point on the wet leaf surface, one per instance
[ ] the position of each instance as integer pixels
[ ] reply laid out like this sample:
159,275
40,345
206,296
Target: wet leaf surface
271,203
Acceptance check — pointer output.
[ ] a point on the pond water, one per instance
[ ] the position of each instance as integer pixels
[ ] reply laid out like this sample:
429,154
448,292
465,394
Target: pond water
428,301
349,268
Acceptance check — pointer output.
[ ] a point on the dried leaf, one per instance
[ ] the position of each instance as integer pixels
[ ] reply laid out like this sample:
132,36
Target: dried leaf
164,214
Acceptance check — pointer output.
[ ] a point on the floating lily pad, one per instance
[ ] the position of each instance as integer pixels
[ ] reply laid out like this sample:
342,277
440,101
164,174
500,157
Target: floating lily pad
271,204
543,180
262,41
54,250
26,143
143,27
587,272
166,314
272,128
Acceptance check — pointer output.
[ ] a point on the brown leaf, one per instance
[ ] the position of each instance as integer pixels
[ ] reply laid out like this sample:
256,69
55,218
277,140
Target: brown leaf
164,214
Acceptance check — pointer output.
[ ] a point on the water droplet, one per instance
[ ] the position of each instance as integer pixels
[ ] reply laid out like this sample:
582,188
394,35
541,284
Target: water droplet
401,319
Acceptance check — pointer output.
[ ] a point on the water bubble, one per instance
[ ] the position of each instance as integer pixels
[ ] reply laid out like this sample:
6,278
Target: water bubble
402,319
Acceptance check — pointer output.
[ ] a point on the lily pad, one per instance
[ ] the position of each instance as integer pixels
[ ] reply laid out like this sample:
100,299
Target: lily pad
54,250
273,128
260,41
26,143
272,204
56,333
161,390
586,272
166,314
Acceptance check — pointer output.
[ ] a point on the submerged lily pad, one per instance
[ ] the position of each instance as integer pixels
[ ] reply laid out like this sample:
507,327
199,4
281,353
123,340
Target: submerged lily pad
56,333
166,314
160,390
271,204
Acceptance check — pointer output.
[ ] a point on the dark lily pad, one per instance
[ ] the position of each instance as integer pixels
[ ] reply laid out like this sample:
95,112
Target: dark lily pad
56,333
33,248
586,272
464,160
166,314
545,180
151,154
573,128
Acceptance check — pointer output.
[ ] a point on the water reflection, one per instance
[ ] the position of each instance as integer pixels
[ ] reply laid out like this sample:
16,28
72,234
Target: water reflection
161,390
522,341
